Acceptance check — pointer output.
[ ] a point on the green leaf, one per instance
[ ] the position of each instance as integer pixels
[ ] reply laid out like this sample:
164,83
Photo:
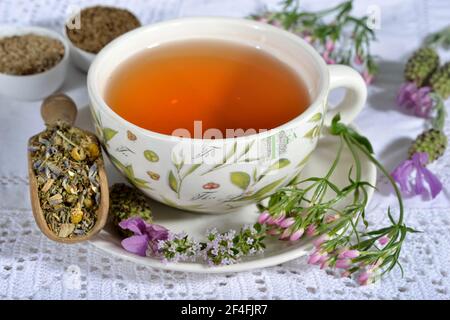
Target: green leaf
173,183
181,207
139,183
314,132
360,139
255,174
129,172
315,118
151,156
117,163
230,153
261,193
96,118
280,164
240,179
247,147
338,128
295,180
108,134
192,169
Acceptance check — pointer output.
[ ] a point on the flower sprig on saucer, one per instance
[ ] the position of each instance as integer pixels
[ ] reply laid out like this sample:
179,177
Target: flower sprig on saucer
427,85
339,36
342,239
225,248
303,209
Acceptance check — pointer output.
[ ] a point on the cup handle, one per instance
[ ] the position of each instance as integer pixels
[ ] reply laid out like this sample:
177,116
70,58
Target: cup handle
342,76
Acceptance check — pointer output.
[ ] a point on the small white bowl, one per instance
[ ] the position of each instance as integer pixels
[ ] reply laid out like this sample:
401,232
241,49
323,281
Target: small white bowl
35,86
80,58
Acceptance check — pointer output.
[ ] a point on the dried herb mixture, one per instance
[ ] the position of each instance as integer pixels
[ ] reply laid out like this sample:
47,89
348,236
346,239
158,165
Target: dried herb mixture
29,54
65,162
99,26
127,202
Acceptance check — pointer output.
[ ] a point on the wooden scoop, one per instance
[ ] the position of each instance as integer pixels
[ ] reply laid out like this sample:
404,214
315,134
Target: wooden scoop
61,107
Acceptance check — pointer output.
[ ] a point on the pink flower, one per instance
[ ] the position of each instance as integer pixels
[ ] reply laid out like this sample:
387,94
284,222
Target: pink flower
346,253
311,230
270,221
317,257
346,274
343,263
366,276
286,234
263,217
418,100
327,58
331,217
363,278
368,77
410,185
325,263
145,235
329,46
319,240
358,60
278,220
383,240
286,223
297,234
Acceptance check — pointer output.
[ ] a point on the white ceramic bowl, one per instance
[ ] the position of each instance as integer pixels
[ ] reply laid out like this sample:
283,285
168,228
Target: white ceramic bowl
36,86
219,175
80,58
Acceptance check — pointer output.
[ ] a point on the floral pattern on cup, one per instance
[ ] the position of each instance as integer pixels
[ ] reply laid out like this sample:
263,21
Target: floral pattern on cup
248,185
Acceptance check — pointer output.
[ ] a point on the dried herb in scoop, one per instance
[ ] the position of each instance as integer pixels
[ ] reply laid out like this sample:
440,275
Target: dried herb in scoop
64,162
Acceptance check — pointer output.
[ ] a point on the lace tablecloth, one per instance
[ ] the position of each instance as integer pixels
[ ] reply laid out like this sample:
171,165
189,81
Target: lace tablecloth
33,267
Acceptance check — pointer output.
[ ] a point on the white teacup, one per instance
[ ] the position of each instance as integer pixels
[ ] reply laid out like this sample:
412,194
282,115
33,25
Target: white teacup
223,174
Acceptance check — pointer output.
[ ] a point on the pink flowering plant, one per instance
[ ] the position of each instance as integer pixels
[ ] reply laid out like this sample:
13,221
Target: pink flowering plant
339,36
342,238
225,248
424,98
304,209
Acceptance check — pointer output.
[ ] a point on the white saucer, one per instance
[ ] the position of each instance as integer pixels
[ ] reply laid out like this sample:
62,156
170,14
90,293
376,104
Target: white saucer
195,224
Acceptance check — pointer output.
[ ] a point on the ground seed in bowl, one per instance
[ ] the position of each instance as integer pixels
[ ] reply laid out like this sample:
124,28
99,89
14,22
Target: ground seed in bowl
99,26
29,54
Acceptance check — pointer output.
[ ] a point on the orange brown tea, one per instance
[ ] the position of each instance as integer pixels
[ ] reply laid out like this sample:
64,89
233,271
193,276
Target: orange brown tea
224,84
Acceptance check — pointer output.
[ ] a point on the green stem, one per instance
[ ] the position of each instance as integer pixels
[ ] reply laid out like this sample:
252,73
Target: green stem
386,174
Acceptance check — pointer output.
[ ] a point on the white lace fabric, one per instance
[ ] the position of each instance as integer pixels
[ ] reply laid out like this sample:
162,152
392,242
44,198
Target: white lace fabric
33,267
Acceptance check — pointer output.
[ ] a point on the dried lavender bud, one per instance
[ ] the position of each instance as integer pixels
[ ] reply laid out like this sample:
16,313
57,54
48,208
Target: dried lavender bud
99,26
29,54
